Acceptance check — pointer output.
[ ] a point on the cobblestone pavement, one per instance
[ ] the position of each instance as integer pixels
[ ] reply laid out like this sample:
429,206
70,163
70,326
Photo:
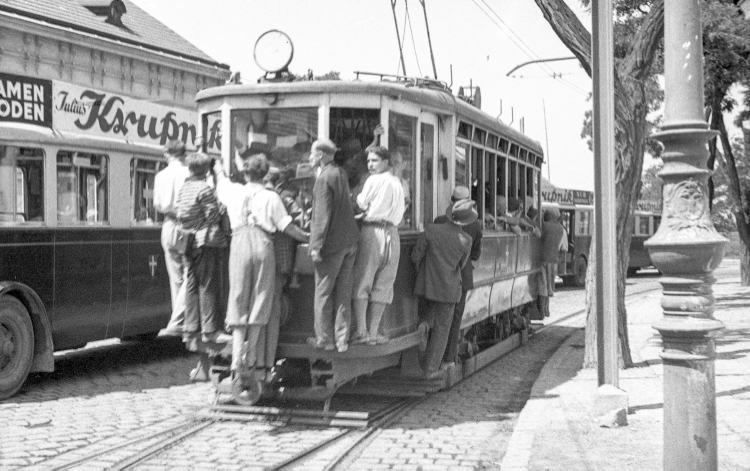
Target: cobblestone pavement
101,395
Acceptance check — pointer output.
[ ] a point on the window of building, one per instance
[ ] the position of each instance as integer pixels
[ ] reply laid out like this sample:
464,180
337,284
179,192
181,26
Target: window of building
644,229
402,144
142,174
21,184
82,187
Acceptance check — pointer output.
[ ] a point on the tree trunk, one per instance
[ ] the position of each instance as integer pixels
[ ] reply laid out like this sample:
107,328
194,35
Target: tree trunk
744,264
631,108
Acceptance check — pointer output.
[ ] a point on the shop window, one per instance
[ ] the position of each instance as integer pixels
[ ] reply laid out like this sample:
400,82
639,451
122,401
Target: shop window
82,187
142,175
402,144
644,229
21,184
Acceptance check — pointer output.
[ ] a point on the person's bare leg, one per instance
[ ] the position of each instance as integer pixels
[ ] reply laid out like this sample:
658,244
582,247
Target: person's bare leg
376,315
359,306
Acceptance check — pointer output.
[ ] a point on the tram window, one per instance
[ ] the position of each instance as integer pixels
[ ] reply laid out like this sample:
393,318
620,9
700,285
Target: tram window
427,139
522,184
501,176
462,150
142,174
513,179
529,187
477,180
82,194
523,156
490,186
464,130
644,225
21,184
285,135
212,133
479,136
503,147
584,223
492,141
514,150
402,144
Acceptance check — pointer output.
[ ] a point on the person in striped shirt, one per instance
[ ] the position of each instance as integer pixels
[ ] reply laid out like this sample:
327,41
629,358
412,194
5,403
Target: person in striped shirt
199,211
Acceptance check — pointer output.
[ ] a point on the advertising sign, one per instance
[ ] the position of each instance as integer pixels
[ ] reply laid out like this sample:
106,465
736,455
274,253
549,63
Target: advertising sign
83,110
25,100
564,196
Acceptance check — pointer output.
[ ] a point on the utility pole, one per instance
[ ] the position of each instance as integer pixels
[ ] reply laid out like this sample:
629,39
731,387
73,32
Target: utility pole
398,37
686,249
429,39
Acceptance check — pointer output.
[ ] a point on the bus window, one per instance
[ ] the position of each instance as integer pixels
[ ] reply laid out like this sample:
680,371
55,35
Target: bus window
82,187
402,144
142,174
21,184
462,150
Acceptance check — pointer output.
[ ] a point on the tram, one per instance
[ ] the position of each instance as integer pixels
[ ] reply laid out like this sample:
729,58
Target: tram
577,217
437,140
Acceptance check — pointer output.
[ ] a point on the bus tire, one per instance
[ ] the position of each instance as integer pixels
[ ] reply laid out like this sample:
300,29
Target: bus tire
632,271
16,345
579,273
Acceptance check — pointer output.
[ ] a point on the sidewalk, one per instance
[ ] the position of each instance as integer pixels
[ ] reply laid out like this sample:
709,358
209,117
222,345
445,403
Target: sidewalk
557,431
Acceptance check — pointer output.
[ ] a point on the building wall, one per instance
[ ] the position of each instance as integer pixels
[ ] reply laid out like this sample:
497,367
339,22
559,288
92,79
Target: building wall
35,49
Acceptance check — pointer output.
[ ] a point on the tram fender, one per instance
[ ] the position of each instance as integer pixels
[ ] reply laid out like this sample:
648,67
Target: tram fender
44,361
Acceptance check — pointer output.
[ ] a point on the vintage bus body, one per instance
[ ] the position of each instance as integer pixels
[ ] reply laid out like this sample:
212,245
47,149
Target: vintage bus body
436,141
85,108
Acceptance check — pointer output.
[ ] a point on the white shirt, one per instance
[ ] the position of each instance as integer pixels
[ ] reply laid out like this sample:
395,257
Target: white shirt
264,207
167,184
382,198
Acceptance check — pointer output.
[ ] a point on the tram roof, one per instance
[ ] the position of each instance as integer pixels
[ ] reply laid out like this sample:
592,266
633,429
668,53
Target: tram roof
138,27
430,97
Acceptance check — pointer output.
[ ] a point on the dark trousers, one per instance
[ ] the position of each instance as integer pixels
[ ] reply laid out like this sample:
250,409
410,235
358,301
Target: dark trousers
203,290
454,337
439,317
333,296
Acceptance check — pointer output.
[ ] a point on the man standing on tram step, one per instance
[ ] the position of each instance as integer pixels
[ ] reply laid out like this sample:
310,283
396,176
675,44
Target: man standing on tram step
554,242
440,255
333,247
167,185
474,230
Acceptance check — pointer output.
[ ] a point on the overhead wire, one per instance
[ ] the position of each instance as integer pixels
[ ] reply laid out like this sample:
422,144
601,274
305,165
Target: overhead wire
525,48
411,32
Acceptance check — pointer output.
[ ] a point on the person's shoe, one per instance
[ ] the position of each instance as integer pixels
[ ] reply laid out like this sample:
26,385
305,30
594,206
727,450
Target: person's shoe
342,348
360,338
423,330
170,333
321,345
216,337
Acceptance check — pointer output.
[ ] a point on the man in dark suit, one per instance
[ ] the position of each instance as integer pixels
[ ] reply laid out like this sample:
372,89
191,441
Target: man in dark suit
333,246
440,254
474,230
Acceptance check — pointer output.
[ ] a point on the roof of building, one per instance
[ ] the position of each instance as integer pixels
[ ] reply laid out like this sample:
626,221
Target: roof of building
138,27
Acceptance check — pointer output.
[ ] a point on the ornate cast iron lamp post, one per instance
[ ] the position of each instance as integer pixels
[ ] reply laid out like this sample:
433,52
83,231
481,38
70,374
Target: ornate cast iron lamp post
687,249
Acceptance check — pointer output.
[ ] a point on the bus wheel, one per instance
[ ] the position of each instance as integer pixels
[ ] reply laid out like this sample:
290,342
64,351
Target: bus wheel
579,278
632,271
16,345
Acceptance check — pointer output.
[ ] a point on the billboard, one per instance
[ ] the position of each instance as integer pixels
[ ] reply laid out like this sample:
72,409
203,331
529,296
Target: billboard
25,100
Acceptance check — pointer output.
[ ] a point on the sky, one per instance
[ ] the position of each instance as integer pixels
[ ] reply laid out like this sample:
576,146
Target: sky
480,40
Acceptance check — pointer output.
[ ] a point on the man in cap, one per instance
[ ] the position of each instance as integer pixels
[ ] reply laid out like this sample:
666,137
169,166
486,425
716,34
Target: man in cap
167,185
554,242
474,230
333,247
440,255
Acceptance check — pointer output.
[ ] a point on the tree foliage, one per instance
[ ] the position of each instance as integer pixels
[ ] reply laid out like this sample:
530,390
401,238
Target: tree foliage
651,184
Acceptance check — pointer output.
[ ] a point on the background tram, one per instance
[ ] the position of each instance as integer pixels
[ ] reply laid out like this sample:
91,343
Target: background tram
577,217
436,141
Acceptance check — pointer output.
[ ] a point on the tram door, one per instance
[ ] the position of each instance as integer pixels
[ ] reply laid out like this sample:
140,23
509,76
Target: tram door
433,182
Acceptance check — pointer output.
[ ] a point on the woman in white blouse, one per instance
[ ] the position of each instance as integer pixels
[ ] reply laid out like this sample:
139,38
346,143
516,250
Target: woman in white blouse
255,213
382,201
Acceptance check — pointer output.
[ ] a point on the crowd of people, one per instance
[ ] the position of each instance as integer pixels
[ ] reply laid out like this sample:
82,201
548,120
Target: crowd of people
249,228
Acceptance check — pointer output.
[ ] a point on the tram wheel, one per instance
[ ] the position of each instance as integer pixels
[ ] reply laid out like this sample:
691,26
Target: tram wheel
579,277
246,390
16,345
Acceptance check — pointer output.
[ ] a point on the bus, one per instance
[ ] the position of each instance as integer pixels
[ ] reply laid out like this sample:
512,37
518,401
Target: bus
577,217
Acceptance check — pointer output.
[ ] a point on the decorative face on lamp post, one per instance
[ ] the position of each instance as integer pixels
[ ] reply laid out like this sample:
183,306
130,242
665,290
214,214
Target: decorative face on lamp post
686,249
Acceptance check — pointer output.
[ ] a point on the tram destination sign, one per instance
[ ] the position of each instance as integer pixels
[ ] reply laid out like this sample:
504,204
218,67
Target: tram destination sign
25,100
82,110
